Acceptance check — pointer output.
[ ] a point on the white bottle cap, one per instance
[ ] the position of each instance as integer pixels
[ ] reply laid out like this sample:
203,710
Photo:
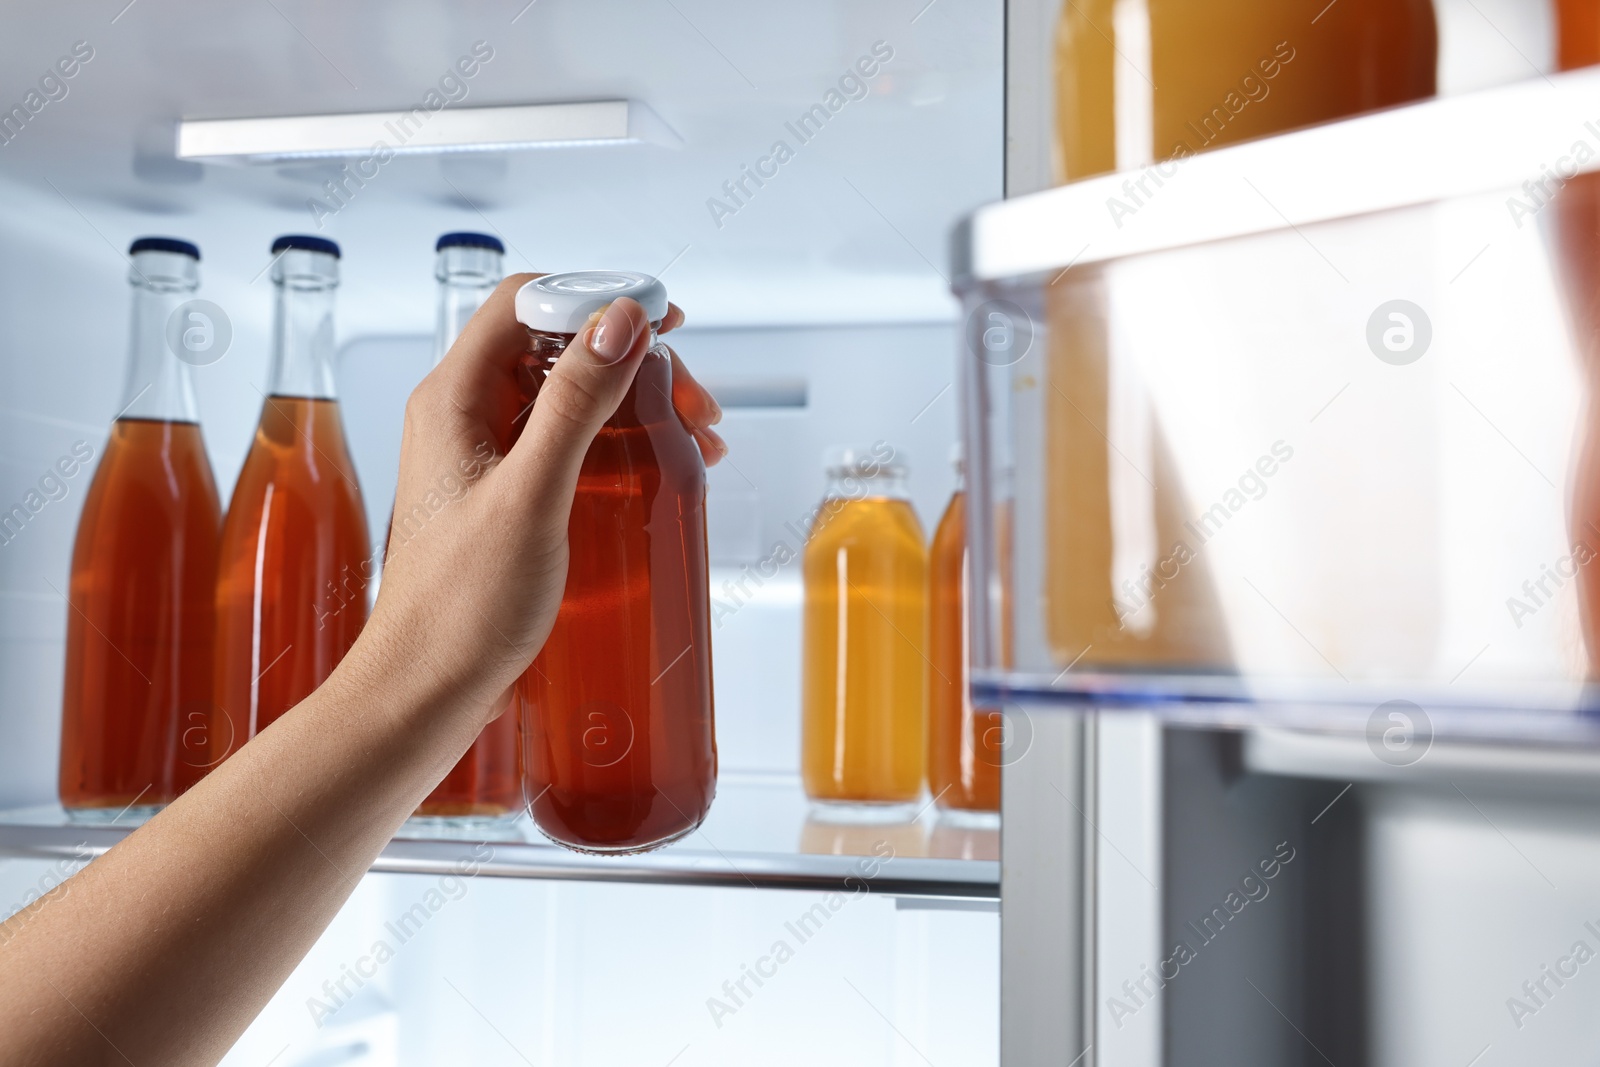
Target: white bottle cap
562,303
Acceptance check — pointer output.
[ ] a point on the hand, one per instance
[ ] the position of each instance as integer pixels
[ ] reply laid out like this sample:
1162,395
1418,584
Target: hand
164,949
477,557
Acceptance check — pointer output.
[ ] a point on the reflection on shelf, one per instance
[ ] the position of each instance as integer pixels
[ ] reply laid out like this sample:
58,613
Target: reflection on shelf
759,835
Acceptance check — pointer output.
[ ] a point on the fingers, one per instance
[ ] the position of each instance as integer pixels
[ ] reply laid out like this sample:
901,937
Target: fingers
493,336
474,388
579,394
698,410
673,320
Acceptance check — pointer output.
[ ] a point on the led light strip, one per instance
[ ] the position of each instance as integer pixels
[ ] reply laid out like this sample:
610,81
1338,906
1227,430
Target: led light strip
420,130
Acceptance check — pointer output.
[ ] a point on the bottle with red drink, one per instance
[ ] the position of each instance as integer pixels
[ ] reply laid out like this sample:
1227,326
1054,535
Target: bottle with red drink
295,558
137,698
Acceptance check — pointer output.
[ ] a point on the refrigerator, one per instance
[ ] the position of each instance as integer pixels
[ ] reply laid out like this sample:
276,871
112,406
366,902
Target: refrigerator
1343,401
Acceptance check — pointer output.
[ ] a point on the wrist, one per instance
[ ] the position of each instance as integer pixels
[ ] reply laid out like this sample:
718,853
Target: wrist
390,672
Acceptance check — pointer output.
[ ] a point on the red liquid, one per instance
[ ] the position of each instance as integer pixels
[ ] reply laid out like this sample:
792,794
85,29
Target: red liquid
619,749
964,743
485,782
139,628
291,590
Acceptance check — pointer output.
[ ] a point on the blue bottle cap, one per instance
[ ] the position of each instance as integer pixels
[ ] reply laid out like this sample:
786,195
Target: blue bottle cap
164,244
470,240
305,244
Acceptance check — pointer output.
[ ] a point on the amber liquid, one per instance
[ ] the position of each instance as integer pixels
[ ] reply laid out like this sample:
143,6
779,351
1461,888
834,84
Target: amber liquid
291,590
139,626
1578,33
964,743
863,699
619,743
1188,72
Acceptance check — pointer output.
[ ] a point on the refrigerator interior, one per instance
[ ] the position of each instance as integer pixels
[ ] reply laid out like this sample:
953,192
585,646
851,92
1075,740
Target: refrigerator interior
818,309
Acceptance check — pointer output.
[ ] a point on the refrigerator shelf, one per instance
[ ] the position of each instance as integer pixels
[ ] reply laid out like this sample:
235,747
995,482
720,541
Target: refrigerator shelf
759,835
1543,770
1436,150
1512,733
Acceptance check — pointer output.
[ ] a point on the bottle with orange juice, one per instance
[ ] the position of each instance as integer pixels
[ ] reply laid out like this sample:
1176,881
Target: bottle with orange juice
964,742
863,688
1577,246
1144,81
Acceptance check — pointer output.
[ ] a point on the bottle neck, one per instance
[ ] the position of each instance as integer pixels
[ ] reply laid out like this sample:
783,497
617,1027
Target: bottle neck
302,327
159,384
853,485
861,472
466,278
545,348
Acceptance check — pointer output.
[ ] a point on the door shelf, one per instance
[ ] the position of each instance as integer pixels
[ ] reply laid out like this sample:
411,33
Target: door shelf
759,835
1301,431
1449,148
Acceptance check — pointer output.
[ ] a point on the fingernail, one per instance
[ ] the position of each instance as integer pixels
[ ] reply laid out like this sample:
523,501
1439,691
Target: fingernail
613,336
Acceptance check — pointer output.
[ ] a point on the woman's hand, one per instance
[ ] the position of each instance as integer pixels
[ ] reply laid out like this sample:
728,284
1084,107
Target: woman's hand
477,556
164,949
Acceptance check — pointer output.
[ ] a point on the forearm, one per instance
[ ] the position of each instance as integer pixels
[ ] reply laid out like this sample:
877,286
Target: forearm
164,949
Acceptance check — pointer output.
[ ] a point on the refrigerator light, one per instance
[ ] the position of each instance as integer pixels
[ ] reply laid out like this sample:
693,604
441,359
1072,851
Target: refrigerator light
421,131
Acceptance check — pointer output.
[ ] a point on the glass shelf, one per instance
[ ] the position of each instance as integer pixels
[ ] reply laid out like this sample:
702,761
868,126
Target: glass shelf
760,835
1300,431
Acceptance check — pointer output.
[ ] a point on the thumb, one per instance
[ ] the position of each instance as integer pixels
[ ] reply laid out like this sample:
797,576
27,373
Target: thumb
581,391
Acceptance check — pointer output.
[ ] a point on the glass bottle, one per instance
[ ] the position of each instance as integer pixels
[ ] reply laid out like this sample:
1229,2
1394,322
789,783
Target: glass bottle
1577,248
619,747
1141,84
139,625
467,266
964,743
1144,81
483,786
295,557
863,695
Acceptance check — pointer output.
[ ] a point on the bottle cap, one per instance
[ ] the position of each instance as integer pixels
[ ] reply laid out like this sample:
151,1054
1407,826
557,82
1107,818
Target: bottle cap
562,303
470,240
305,244
164,244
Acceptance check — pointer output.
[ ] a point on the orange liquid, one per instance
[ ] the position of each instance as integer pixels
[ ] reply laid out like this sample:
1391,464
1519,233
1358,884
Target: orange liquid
1185,74
138,684
1578,33
863,701
620,750
292,581
964,743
